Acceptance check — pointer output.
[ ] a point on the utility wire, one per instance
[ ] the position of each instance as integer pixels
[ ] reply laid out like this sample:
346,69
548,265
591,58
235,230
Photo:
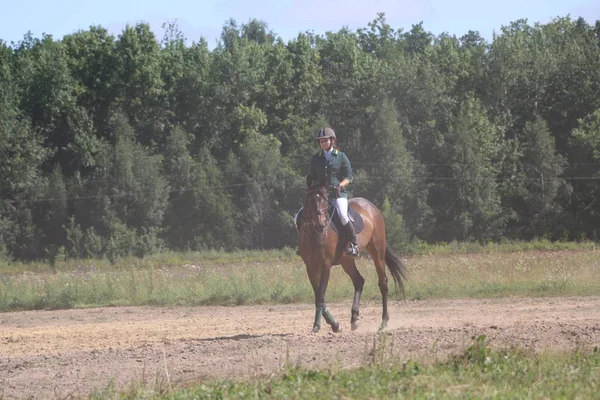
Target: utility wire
388,178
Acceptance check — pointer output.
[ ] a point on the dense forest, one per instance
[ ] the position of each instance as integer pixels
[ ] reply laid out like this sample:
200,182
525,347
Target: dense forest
128,145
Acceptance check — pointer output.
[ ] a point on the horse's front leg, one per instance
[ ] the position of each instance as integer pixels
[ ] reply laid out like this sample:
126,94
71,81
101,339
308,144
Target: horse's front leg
321,307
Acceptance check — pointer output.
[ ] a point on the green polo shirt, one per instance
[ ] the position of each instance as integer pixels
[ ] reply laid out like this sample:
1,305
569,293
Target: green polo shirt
331,172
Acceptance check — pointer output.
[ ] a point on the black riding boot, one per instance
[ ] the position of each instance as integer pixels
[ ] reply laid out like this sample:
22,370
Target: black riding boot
350,234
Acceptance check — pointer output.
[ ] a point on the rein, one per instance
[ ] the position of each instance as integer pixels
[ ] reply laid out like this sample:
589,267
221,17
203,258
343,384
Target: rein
315,224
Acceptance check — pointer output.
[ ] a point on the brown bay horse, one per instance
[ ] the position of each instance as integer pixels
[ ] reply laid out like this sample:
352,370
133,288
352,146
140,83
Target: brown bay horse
320,248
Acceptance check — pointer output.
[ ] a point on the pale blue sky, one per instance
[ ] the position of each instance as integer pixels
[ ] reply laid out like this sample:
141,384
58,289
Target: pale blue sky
286,18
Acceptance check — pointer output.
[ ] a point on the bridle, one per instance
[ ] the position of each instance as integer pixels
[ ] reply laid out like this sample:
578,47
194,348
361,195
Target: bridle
314,226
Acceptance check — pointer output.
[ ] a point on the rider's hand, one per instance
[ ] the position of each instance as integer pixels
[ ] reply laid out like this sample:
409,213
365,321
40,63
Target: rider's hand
337,189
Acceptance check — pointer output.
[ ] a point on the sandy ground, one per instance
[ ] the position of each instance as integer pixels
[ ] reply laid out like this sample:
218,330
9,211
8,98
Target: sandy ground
69,353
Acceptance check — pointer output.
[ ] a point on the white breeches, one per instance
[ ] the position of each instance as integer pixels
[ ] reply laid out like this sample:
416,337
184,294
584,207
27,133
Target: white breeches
341,204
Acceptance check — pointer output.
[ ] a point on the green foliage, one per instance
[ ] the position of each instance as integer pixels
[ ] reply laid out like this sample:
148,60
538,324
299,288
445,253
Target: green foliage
395,230
83,244
209,215
259,177
113,146
272,277
468,206
586,147
93,65
139,84
588,132
22,155
52,214
487,374
543,185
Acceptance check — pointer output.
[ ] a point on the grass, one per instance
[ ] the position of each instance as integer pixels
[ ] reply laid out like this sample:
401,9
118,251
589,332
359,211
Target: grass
217,278
478,373
443,271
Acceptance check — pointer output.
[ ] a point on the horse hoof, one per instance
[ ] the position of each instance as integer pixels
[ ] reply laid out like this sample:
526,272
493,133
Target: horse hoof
354,325
336,328
315,329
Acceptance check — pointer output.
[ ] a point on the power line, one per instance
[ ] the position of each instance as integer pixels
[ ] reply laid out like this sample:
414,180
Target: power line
169,177
462,164
388,178
118,195
450,178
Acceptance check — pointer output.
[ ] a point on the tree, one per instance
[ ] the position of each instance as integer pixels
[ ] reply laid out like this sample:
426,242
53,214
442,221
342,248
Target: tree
585,207
393,175
543,168
304,94
238,74
200,213
22,156
215,224
258,31
47,95
190,94
380,40
126,195
417,39
396,232
140,88
255,177
467,206
51,215
93,66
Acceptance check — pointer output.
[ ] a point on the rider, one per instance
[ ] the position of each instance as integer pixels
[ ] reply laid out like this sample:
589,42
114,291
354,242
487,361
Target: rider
332,167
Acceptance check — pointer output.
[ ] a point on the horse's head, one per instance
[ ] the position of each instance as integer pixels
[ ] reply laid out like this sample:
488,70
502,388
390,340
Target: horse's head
315,206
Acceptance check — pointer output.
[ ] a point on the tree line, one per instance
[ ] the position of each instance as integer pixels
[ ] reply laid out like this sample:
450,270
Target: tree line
114,146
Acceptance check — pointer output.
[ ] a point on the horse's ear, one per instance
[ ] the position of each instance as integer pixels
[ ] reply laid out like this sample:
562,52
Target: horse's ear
309,181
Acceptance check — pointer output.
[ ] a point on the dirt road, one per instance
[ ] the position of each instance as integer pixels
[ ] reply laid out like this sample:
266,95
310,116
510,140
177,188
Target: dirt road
54,354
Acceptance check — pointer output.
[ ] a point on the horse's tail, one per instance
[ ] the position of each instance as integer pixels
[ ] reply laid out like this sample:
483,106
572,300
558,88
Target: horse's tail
397,268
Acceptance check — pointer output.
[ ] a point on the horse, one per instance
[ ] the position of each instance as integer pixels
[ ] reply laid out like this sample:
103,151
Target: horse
321,247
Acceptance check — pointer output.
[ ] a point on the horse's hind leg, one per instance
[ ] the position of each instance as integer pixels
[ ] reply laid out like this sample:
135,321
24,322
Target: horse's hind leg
358,281
378,256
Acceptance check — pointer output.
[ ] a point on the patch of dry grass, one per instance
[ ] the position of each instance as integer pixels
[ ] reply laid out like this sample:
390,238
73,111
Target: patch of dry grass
279,280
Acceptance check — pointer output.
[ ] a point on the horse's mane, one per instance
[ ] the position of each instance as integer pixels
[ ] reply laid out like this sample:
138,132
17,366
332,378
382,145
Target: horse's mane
319,188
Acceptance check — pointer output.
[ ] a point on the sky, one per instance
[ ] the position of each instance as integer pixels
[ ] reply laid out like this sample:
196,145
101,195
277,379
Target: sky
286,18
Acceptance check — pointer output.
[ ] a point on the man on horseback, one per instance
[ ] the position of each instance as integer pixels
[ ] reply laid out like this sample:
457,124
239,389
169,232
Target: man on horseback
332,167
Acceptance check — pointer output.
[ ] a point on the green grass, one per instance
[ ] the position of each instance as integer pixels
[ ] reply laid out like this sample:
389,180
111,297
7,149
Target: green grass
478,373
444,271
276,277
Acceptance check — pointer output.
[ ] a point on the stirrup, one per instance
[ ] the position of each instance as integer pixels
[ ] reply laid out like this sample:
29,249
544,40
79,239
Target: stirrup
352,250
